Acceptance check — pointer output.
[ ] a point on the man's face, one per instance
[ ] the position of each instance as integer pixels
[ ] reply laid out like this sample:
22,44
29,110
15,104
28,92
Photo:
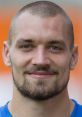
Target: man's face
40,56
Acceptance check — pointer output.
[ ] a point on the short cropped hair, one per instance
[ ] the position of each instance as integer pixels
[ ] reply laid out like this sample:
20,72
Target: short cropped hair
43,9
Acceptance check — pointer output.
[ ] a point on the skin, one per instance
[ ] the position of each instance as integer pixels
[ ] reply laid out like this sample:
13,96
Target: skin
23,60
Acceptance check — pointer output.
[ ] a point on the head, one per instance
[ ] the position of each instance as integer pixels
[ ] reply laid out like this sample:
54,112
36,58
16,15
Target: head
41,50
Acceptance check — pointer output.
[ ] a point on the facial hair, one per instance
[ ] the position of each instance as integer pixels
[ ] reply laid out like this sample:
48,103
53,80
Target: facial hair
39,92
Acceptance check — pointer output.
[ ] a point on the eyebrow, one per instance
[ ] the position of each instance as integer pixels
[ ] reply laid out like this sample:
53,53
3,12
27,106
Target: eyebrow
50,42
20,41
61,42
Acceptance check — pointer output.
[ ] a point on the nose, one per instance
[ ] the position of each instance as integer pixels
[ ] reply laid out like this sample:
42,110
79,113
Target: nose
40,57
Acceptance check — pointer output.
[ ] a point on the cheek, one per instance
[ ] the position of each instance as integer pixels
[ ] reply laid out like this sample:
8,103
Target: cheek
62,61
20,60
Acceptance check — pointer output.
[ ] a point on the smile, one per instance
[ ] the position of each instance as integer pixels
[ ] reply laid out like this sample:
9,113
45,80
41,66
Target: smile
43,75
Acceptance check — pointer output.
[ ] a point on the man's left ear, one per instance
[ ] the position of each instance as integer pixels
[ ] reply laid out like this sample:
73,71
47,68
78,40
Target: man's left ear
74,57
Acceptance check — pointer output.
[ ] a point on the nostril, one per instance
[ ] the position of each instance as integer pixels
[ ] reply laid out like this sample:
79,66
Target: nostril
41,61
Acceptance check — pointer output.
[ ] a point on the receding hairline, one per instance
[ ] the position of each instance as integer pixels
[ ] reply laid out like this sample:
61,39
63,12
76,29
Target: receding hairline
43,9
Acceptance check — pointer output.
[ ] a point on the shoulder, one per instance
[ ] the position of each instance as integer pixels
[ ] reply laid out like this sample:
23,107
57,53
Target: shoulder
4,112
77,112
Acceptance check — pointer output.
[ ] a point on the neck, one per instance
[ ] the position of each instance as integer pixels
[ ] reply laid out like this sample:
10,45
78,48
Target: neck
58,106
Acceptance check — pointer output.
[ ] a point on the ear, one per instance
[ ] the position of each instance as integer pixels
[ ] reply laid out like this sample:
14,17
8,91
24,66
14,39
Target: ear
74,58
6,54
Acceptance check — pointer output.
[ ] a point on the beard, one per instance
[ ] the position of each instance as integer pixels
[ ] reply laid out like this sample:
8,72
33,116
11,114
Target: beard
39,90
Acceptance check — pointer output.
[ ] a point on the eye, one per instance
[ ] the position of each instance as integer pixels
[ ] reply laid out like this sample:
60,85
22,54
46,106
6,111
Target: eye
26,47
56,48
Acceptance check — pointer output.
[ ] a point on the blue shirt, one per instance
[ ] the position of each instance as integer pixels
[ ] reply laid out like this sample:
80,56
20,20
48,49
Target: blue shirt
77,112
4,112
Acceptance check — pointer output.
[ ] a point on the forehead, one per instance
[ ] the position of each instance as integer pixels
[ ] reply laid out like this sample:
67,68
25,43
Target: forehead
34,26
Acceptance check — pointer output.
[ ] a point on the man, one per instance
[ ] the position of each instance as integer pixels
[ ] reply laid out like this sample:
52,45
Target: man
41,53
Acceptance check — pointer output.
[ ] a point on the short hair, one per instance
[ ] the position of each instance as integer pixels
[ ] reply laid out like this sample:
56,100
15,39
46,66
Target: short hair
43,9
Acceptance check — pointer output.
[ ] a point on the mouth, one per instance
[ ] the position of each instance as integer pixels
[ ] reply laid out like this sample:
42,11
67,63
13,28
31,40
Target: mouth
42,74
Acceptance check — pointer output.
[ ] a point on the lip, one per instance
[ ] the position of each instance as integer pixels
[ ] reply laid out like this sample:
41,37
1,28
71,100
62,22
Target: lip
42,75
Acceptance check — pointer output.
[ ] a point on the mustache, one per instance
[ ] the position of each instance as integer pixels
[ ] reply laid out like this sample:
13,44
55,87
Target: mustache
42,68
